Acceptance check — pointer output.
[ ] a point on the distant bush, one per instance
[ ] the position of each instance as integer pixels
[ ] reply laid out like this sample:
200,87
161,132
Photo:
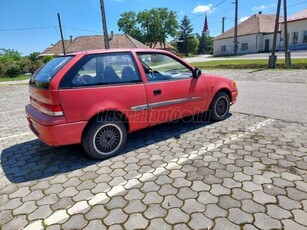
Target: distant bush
13,69
13,64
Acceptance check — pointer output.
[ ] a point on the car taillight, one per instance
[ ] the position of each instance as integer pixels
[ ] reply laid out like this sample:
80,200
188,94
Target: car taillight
51,110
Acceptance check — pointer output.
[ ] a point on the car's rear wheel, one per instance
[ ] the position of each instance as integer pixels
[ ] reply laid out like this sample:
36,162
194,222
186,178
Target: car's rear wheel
105,139
220,106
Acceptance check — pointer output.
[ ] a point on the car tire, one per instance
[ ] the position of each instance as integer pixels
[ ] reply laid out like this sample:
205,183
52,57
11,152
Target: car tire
104,139
219,107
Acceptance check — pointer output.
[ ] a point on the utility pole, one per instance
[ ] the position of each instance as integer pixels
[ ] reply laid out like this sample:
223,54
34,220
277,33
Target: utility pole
62,38
236,29
287,52
104,25
223,24
273,57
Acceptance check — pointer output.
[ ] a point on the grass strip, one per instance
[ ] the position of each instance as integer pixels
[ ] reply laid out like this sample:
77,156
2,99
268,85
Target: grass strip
299,63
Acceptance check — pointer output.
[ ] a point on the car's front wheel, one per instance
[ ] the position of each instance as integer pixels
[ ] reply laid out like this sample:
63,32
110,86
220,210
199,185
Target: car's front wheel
104,139
220,106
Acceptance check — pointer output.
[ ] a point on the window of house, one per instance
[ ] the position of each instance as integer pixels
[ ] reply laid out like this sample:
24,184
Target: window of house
244,46
295,38
223,48
305,37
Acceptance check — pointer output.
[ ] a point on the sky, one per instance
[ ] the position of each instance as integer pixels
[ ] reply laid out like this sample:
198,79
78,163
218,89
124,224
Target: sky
32,25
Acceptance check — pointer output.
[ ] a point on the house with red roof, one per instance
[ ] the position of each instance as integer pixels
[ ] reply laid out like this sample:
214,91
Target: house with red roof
254,35
297,31
93,42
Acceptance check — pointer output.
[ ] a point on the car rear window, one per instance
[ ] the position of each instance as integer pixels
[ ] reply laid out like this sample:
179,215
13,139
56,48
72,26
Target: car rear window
43,76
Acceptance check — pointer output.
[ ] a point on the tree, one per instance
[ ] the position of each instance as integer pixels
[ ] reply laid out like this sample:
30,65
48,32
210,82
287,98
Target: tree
193,46
9,62
187,40
205,44
128,24
9,55
12,63
33,56
149,26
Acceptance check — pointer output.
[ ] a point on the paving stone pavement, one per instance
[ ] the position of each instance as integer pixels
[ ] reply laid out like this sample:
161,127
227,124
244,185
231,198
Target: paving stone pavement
246,172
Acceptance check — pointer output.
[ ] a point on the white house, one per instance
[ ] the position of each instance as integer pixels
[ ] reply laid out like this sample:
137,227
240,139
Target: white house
254,35
297,31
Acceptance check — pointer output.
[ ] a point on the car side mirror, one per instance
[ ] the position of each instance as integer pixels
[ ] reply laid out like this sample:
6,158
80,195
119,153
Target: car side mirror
196,73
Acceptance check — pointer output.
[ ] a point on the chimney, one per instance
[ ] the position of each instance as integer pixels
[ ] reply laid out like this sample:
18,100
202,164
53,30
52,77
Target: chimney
260,12
70,38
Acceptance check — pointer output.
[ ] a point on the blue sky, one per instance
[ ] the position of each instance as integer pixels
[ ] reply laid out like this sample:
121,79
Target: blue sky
31,25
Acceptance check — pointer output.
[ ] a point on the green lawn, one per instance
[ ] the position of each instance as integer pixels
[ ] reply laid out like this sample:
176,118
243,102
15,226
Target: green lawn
18,78
249,64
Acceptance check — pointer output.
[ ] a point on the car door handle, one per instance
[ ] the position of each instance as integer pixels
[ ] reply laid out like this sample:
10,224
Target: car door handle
157,91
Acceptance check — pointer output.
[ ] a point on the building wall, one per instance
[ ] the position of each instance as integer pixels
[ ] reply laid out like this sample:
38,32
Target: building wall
255,43
299,27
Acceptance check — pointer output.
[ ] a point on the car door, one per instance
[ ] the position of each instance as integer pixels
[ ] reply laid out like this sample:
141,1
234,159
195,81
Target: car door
104,82
171,90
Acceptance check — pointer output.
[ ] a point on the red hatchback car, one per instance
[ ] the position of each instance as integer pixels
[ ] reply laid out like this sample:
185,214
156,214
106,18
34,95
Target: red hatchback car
97,97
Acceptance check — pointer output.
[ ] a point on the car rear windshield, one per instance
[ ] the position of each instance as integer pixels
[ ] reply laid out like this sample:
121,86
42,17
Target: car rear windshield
43,76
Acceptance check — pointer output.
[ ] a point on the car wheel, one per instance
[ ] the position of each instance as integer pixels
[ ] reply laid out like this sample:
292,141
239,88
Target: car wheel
105,139
220,106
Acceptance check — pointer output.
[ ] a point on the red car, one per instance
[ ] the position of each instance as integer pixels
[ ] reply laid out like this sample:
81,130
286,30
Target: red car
97,97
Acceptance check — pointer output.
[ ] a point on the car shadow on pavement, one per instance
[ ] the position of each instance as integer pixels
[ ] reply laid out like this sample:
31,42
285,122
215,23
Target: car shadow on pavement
33,160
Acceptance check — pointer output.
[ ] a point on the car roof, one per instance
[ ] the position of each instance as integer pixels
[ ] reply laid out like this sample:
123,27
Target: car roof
115,51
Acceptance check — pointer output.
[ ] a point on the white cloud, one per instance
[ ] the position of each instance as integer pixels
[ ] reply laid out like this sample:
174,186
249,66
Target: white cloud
243,18
203,9
262,7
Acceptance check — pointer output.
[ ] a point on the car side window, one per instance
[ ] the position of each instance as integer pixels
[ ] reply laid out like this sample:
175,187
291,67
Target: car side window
160,67
102,69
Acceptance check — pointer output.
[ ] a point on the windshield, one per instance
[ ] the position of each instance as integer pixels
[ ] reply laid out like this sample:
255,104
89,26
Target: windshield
43,76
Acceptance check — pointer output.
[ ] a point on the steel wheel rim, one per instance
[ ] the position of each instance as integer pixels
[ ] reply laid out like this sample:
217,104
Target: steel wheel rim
222,106
107,139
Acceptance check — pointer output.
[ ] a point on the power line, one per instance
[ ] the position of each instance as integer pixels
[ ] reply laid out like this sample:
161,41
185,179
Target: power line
72,28
21,29
296,4
289,6
211,8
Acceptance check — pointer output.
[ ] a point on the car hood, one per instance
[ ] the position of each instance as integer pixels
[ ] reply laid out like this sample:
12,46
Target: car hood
222,82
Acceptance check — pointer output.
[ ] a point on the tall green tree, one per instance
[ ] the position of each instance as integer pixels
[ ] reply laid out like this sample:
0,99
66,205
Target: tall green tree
186,43
205,44
129,25
149,26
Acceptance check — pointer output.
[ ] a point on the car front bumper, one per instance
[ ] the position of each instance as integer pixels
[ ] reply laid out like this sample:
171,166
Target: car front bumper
234,95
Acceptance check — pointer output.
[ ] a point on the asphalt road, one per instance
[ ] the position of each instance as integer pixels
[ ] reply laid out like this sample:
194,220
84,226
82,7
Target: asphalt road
286,101
278,94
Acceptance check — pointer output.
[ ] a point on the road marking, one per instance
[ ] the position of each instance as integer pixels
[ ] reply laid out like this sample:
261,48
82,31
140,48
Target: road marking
104,197
15,135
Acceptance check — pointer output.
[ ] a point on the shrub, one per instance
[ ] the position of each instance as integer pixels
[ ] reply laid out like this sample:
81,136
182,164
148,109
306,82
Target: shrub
12,64
12,69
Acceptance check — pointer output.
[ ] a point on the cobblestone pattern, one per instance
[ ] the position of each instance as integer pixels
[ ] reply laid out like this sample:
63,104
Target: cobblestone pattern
181,175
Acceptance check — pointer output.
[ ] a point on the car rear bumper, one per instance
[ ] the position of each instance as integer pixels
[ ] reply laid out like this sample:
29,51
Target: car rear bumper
54,131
